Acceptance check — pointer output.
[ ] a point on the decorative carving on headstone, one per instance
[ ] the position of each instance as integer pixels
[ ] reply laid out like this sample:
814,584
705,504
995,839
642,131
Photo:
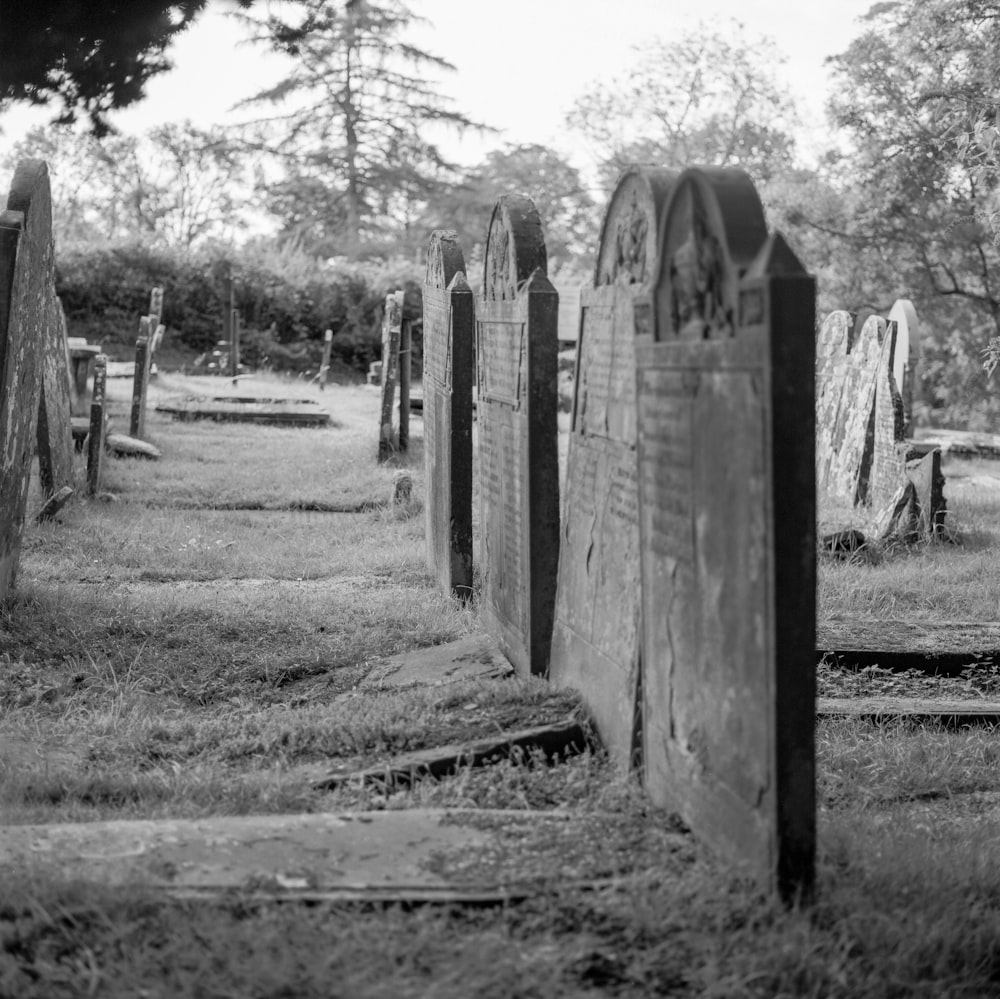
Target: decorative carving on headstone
449,329
517,346
726,481
595,643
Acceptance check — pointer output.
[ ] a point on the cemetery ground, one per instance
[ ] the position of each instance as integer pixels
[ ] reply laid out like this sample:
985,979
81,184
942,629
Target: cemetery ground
191,643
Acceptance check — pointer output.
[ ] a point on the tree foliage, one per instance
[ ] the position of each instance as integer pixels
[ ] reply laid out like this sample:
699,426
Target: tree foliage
352,122
89,56
707,96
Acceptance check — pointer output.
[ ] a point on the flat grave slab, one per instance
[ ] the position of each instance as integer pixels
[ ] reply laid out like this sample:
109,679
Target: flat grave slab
469,658
949,713
411,855
243,409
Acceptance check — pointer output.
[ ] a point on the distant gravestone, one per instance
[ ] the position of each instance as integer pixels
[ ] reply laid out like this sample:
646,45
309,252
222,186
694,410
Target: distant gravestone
392,322
140,383
906,356
847,362
324,367
26,310
516,351
595,642
449,331
725,355
98,425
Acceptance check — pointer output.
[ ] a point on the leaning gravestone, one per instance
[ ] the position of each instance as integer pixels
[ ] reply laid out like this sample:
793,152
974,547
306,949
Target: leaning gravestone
725,355
26,289
449,329
517,347
595,641
847,362
392,322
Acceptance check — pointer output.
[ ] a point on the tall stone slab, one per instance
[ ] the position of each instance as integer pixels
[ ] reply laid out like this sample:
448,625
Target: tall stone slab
98,425
392,322
595,641
27,262
140,378
847,363
725,355
906,359
449,332
516,355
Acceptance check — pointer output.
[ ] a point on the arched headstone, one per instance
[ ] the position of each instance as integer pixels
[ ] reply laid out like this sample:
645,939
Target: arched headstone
449,329
726,466
27,315
906,359
595,642
516,356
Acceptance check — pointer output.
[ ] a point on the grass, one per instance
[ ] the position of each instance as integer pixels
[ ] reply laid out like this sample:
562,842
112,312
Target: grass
164,657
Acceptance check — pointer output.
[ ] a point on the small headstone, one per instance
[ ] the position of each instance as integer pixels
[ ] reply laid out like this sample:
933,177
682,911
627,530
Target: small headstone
95,439
595,642
402,488
26,292
449,329
517,346
54,504
725,354
375,373
391,324
140,383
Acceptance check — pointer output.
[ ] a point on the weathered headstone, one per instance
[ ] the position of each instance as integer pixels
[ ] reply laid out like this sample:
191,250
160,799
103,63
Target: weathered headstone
449,329
156,327
517,347
847,360
907,355
324,367
140,382
98,426
26,292
392,321
595,641
725,355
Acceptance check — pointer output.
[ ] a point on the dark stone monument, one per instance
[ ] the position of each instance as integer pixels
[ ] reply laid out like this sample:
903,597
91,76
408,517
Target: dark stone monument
449,329
98,425
517,347
392,322
26,310
595,641
725,355
140,383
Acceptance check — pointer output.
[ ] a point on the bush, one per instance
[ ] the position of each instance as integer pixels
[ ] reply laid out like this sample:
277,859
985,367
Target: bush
285,297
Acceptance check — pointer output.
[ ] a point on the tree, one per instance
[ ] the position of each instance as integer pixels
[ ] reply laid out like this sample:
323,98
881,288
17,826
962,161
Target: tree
705,97
175,185
352,117
913,94
570,218
91,56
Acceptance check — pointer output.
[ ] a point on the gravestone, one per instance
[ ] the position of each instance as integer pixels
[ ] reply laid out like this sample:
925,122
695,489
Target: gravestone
449,329
140,383
392,321
405,370
595,641
906,357
847,362
725,358
98,425
516,352
156,328
324,367
27,263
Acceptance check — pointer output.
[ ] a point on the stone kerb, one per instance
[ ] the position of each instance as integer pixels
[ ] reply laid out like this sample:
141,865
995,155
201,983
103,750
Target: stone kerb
26,313
392,322
847,360
726,472
516,353
595,642
449,331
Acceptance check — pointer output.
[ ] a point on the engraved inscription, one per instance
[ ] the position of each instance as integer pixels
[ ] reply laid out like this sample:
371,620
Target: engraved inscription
437,339
503,360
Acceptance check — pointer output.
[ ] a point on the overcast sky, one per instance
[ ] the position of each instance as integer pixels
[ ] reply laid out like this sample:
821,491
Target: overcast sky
519,63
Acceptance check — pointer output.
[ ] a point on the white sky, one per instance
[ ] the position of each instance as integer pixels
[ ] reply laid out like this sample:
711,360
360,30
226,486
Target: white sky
520,63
